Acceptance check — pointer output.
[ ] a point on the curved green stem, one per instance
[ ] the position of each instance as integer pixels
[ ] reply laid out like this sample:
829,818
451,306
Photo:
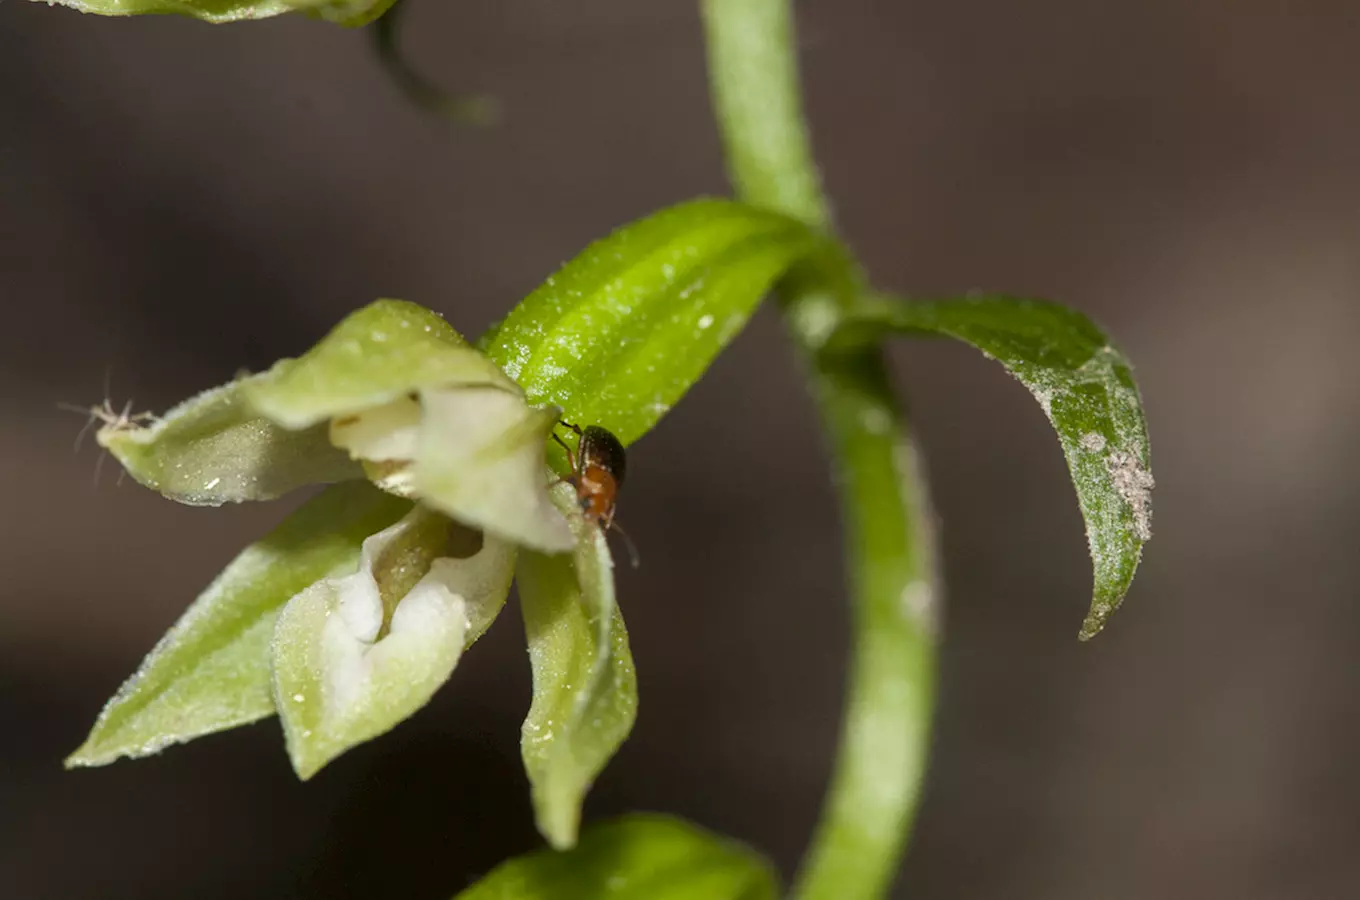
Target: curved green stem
464,109
889,543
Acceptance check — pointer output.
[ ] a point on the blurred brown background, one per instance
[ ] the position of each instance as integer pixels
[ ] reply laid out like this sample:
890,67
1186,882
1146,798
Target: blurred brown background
178,201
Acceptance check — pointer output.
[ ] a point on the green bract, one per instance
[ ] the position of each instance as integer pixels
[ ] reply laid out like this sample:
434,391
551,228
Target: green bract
1086,389
344,12
618,335
638,857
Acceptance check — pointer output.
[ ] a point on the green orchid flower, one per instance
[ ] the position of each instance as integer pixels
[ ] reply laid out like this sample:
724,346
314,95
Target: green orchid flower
349,617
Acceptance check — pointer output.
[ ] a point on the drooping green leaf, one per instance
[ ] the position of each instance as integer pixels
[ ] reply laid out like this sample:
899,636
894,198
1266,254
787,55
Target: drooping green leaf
211,670
344,12
636,857
214,449
376,355
619,334
1086,389
585,687
346,671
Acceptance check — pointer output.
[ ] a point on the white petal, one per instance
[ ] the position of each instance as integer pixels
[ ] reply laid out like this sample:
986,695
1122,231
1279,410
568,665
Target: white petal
481,460
337,684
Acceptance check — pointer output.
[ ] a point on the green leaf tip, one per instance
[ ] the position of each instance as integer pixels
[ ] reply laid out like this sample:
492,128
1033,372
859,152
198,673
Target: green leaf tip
211,671
1086,389
635,857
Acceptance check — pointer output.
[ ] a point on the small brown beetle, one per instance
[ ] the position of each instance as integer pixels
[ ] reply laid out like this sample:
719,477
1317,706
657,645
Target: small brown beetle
597,470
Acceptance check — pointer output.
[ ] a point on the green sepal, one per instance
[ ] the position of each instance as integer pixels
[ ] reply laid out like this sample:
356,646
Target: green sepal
214,448
211,672
378,354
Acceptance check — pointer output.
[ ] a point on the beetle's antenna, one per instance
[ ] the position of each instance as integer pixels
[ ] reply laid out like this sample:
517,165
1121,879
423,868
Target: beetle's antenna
571,460
628,542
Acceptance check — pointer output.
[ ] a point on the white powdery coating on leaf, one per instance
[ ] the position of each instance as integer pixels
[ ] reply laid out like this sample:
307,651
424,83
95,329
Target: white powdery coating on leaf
1044,396
1093,442
1134,484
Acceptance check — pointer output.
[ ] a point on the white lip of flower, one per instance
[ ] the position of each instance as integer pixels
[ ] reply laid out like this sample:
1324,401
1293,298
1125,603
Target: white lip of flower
338,680
349,639
474,452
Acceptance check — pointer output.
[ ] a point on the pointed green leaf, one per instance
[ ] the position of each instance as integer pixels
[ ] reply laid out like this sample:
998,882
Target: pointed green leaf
376,355
211,670
346,671
1087,391
344,12
213,449
636,857
585,687
621,332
